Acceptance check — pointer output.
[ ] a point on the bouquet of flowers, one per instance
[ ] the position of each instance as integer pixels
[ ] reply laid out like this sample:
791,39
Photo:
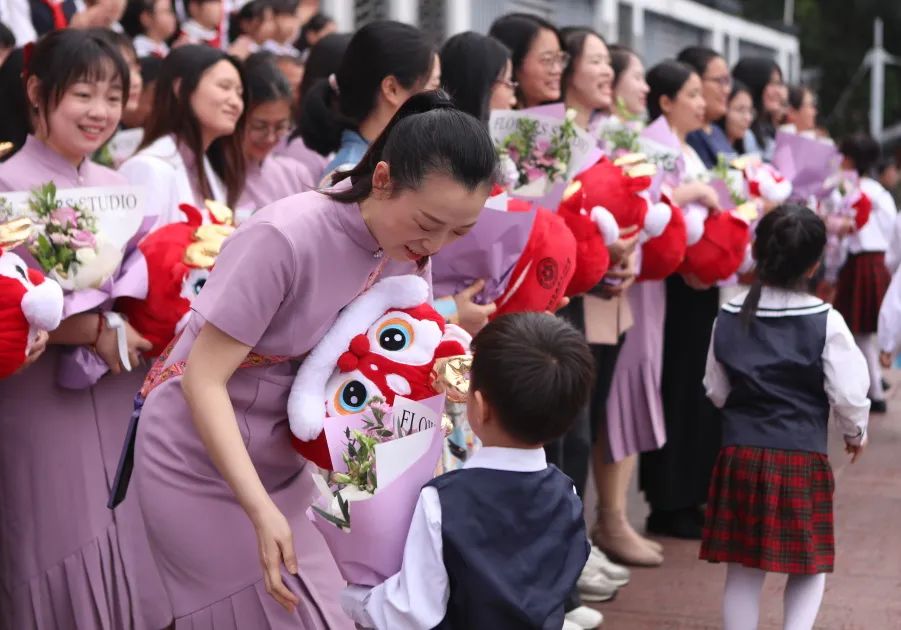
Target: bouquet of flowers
366,505
539,151
619,133
67,243
845,208
806,162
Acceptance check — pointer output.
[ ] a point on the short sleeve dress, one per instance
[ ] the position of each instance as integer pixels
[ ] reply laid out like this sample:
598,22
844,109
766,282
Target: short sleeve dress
278,285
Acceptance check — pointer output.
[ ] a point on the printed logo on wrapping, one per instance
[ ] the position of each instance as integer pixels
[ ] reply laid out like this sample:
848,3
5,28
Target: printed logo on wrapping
410,416
547,273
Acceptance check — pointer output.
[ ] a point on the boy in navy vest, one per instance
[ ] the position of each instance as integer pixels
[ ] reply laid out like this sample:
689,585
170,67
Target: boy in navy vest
499,544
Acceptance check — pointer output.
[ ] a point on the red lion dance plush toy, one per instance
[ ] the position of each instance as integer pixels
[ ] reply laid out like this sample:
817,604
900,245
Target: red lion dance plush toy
29,302
383,344
179,258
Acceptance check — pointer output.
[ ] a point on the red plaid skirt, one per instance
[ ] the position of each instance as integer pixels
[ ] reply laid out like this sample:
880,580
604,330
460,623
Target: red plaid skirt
862,284
770,509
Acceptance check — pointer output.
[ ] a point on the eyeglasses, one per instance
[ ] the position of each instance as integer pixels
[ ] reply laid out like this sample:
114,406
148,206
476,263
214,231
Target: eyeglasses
549,60
507,84
724,82
260,130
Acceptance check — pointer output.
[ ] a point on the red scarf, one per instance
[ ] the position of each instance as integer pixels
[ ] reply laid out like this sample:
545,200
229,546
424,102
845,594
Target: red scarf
60,20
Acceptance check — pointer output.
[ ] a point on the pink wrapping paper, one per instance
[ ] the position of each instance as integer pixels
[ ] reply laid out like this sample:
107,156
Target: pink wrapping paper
373,549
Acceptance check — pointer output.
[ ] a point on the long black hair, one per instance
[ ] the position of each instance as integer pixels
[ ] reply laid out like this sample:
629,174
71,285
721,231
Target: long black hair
14,119
573,38
517,31
666,79
180,74
324,60
698,57
378,50
428,134
620,60
788,243
470,66
756,72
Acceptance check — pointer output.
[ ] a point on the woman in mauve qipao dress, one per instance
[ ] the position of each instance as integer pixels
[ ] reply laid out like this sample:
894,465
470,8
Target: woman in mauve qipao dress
66,561
220,487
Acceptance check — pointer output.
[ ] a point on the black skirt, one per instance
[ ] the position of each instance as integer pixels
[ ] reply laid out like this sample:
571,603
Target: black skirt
678,475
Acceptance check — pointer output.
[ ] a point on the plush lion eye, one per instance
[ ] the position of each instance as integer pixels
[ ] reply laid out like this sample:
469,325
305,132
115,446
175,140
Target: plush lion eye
395,335
22,272
351,397
198,285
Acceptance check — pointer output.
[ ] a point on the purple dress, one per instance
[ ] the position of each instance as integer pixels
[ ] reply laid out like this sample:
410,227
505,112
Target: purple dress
278,177
66,561
278,286
634,406
298,151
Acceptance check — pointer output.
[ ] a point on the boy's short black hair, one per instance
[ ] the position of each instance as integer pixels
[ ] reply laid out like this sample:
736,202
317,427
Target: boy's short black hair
536,371
7,37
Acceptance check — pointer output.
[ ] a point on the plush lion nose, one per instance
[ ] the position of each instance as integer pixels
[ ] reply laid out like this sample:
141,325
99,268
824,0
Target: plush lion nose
350,360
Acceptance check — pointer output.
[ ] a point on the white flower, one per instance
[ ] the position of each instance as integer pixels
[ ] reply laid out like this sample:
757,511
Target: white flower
570,114
508,171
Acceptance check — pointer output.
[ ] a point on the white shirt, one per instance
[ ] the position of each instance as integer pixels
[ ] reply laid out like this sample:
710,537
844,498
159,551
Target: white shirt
416,597
146,47
889,327
847,380
16,14
876,234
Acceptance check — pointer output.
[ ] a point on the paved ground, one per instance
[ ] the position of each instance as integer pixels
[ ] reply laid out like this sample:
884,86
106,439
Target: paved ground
864,593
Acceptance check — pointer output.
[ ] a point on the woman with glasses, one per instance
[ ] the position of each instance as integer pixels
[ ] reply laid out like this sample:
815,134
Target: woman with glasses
269,177
764,78
192,143
709,141
739,115
537,55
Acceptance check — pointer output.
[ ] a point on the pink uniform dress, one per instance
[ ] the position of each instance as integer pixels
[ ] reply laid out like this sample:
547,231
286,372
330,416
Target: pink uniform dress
66,561
278,285
295,149
276,178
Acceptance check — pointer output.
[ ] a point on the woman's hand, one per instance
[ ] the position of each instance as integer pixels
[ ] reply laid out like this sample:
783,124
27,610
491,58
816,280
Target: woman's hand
696,192
885,359
473,317
625,273
694,282
624,246
276,547
35,351
107,346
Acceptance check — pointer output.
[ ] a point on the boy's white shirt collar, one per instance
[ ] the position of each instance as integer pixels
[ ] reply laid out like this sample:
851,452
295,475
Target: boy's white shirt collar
511,459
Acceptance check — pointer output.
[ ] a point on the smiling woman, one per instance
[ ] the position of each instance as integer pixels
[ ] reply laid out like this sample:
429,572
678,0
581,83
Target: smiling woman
214,444
192,148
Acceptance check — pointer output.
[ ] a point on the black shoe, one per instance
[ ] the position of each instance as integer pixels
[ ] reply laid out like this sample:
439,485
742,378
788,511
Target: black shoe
675,523
878,406
885,386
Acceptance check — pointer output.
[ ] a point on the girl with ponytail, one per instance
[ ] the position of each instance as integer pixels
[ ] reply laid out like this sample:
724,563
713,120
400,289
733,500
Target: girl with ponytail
780,363
214,438
385,63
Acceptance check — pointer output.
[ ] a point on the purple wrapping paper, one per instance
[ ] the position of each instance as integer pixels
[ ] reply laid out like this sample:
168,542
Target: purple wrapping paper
373,549
806,162
80,367
489,251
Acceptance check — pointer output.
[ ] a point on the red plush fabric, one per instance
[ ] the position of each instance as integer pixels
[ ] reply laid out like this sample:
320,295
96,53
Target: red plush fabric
661,256
605,184
592,256
544,270
14,329
721,250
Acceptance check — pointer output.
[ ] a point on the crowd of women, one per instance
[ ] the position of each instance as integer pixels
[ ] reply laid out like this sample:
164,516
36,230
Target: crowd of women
254,107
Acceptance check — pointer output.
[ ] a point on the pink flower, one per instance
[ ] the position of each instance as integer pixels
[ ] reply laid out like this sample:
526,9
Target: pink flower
533,173
59,239
380,406
83,238
64,216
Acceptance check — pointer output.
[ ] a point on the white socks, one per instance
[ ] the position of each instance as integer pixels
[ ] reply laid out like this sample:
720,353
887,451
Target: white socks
803,595
869,347
741,599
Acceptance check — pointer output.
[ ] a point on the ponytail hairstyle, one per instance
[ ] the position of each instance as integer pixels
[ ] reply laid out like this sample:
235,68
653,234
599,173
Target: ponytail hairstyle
323,60
789,241
181,72
378,50
428,134
665,79
470,66
64,57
